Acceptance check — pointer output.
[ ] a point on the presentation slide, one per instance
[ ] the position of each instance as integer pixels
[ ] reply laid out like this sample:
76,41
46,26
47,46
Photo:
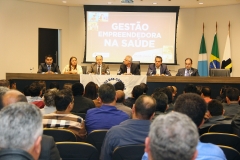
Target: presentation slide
143,35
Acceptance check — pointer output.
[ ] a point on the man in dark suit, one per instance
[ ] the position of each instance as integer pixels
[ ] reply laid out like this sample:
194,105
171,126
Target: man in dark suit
48,67
188,70
99,67
158,68
129,68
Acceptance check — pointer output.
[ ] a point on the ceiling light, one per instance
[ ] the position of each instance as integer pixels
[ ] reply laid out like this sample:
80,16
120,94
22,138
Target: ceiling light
200,3
109,2
154,3
64,1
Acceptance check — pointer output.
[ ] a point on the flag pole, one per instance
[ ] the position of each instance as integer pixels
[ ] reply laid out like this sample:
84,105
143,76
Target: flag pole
229,28
203,28
216,27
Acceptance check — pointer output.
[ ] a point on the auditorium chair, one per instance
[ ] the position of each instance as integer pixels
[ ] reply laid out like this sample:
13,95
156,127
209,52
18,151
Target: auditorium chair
77,151
84,69
225,139
60,135
230,153
96,138
129,152
221,128
219,73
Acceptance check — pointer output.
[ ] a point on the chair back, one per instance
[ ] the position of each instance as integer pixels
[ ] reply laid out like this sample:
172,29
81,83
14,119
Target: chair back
84,69
230,153
224,139
77,151
60,135
221,128
96,138
219,73
129,152
83,115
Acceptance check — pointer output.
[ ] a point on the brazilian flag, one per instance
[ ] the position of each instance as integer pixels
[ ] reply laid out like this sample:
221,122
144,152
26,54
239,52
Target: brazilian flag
214,59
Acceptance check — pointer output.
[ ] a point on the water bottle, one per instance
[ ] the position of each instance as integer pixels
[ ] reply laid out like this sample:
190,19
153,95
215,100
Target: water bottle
108,71
118,72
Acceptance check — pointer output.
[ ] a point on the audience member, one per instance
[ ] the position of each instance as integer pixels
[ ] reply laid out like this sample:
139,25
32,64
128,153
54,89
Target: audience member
20,131
144,87
67,86
131,131
72,67
98,67
48,67
3,90
167,138
43,87
91,92
119,103
129,68
54,85
107,115
190,88
48,147
136,92
81,103
119,86
12,84
216,111
162,103
4,83
157,68
49,100
231,107
206,94
62,117
222,94
36,92
188,70
26,91
169,94
199,89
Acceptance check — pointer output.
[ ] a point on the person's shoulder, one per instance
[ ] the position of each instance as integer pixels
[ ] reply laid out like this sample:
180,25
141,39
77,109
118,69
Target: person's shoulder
92,110
42,64
209,148
152,65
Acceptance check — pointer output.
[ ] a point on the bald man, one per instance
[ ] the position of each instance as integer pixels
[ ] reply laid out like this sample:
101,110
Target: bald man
99,67
13,96
119,103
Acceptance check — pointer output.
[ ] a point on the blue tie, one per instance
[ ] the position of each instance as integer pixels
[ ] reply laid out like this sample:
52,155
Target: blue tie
49,67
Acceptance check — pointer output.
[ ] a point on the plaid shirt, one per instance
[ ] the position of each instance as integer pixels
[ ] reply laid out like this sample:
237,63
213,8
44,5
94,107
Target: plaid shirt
68,121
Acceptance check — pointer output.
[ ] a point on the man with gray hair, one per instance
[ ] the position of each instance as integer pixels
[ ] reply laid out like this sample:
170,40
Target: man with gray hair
3,90
20,131
129,68
4,83
172,136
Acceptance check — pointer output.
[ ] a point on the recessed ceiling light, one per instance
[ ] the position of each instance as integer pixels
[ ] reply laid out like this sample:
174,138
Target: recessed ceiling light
64,1
200,3
154,3
109,2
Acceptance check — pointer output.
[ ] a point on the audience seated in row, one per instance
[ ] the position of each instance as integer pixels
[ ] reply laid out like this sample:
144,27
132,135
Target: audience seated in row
49,100
232,106
36,93
91,90
119,103
136,92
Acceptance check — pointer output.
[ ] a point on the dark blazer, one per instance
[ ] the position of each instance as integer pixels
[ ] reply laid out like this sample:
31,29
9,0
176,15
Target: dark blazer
163,69
93,68
43,68
49,149
14,154
134,69
181,72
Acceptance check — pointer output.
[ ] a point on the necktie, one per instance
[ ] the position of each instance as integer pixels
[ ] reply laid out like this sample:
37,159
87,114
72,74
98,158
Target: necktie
98,70
49,67
188,72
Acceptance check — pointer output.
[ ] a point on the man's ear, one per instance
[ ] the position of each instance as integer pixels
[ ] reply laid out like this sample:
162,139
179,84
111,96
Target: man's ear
133,109
195,155
36,149
147,145
228,100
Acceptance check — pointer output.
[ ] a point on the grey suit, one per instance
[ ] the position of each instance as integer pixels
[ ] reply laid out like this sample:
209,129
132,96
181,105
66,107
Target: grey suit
163,69
43,68
93,68
193,71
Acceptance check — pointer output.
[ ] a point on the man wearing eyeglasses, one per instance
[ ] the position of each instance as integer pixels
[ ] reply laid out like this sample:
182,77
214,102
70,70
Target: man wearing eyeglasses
129,68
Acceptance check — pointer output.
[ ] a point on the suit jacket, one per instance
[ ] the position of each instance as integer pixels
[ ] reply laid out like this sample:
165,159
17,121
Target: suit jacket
181,72
49,149
93,68
14,154
134,69
163,69
43,68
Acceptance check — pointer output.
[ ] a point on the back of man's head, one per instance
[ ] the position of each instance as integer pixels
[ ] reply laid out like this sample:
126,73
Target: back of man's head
192,105
62,99
4,83
215,107
161,100
21,128
77,89
13,96
119,86
144,107
49,97
3,90
54,85
120,96
167,91
35,89
107,93
172,136
137,91
206,91
232,94
190,88
144,87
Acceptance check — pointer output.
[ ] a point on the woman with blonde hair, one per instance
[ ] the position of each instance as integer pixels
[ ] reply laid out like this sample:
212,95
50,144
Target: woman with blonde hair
72,67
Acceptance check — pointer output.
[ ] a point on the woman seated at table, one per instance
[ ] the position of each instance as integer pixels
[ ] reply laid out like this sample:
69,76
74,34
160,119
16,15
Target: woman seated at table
72,67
